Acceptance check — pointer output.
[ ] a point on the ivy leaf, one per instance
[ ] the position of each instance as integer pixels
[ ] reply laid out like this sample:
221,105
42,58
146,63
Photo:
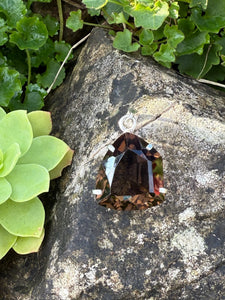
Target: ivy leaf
14,10
96,4
117,18
16,217
52,25
34,99
10,84
186,26
174,10
174,35
146,37
75,21
123,41
94,12
46,79
165,54
31,34
194,42
207,22
197,66
43,54
216,73
62,48
3,34
149,18
149,49
202,3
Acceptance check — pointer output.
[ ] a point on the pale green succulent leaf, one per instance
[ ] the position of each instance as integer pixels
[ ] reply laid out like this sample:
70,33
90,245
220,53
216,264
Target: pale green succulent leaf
41,122
28,181
66,161
23,219
5,190
46,151
2,113
15,128
10,158
7,240
26,245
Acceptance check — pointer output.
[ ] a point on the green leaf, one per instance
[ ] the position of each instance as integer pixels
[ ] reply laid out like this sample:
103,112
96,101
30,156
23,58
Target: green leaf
31,33
197,66
123,41
46,79
23,219
14,10
2,113
207,22
10,158
193,43
66,161
5,190
37,154
202,3
41,122
186,26
34,98
221,42
216,8
117,18
165,54
174,10
28,181
146,37
94,12
62,48
3,32
15,128
96,4
43,54
149,18
174,35
216,73
75,21
149,50
52,25
10,84
7,240
26,245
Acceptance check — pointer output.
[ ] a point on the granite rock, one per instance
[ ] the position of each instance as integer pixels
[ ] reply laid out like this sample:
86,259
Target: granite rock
175,250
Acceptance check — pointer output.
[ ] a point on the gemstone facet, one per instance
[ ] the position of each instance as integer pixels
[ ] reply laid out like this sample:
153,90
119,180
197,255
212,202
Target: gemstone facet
130,176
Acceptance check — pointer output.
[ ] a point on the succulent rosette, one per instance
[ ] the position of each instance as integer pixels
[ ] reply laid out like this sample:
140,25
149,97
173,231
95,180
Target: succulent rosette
29,159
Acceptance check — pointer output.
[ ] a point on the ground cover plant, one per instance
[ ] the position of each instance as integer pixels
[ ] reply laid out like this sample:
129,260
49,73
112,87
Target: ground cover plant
188,34
29,158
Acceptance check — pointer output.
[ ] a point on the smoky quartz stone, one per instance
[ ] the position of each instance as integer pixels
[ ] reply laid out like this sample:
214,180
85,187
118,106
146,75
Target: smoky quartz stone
131,175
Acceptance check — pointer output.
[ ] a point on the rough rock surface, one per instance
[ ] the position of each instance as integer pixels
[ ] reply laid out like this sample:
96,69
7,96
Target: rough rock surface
172,251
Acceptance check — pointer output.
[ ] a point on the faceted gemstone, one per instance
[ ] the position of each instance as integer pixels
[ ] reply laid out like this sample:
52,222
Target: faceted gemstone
131,175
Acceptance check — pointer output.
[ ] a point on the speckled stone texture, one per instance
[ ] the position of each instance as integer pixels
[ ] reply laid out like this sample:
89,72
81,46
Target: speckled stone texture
172,251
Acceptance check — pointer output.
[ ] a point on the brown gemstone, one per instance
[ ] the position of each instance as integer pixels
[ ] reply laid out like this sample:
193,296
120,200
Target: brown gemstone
131,176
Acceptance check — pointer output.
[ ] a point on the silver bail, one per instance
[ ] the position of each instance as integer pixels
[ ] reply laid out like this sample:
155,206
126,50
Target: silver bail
127,123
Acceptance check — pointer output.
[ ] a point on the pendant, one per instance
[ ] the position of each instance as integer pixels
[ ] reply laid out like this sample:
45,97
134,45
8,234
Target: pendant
131,174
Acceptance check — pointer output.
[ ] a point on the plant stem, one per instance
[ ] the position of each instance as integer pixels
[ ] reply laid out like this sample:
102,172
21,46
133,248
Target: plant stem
29,66
97,25
63,63
61,22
